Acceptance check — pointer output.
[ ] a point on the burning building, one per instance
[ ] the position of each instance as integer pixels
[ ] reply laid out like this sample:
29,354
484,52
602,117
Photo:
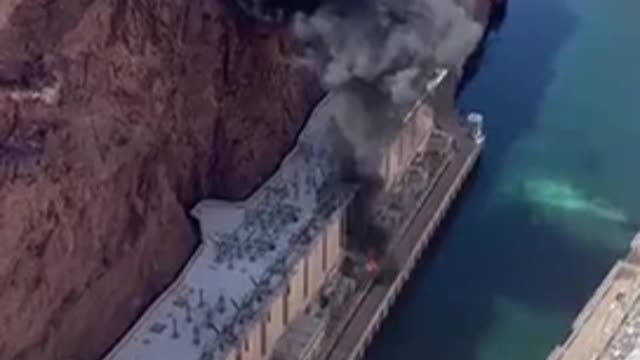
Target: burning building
250,289
262,262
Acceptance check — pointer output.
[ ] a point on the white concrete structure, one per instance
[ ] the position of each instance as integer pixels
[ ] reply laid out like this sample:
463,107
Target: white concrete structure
258,266
261,261
415,132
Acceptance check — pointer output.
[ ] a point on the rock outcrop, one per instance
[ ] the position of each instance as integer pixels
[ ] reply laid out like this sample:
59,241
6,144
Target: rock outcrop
116,116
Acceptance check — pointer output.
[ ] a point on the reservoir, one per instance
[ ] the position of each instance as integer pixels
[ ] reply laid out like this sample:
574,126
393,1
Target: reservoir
556,196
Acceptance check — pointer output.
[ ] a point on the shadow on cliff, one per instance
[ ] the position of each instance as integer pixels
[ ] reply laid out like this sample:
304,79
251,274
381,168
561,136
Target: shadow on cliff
455,304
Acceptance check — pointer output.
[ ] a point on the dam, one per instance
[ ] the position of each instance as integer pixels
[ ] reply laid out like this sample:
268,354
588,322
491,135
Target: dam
608,328
280,275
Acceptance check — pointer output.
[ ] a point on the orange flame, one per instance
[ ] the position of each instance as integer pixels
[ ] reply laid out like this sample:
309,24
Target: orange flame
371,266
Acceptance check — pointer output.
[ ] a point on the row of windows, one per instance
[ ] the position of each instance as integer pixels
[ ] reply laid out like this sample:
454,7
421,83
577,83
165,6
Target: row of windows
402,149
263,340
305,278
285,300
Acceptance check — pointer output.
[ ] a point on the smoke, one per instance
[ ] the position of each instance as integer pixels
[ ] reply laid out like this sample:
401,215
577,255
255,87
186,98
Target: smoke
363,118
276,11
375,54
385,43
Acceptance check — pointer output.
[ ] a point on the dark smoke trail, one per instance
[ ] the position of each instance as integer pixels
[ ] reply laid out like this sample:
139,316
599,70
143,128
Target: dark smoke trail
276,11
387,44
375,54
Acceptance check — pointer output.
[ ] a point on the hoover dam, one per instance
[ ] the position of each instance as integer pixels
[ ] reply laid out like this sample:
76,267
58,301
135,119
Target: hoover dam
268,279
168,187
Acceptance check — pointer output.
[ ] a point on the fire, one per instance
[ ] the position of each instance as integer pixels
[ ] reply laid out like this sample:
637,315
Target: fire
372,266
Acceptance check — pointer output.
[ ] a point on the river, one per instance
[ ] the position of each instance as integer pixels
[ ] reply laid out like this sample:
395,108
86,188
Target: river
552,202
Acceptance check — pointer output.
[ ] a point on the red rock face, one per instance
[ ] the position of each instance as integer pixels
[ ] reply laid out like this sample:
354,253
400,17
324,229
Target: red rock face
115,116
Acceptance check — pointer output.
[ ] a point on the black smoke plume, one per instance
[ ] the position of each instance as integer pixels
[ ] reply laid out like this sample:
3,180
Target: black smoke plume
276,11
374,55
385,43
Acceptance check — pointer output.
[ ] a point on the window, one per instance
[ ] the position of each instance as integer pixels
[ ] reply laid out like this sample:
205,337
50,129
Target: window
239,354
263,338
384,171
342,227
246,344
400,147
324,251
285,307
305,278
269,316
407,151
350,218
412,132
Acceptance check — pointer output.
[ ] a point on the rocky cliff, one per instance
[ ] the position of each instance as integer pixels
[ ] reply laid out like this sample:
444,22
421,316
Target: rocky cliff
115,116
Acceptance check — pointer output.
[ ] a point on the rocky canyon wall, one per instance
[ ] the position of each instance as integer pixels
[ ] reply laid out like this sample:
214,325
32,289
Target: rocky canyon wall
115,117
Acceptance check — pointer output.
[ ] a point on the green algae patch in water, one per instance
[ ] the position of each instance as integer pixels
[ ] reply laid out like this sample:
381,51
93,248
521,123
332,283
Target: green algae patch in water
554,200
558,195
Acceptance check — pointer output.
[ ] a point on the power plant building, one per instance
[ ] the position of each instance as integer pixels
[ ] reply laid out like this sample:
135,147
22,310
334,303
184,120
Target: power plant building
263,263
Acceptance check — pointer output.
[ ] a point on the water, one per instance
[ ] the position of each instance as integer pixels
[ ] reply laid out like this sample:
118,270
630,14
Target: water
547,212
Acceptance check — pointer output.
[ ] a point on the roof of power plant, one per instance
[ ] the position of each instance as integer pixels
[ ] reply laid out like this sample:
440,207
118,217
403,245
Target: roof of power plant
246,252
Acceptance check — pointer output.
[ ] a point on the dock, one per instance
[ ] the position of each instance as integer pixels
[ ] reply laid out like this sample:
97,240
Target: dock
407,246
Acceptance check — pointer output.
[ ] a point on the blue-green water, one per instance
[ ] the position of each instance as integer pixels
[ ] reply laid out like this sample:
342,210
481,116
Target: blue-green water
544,217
